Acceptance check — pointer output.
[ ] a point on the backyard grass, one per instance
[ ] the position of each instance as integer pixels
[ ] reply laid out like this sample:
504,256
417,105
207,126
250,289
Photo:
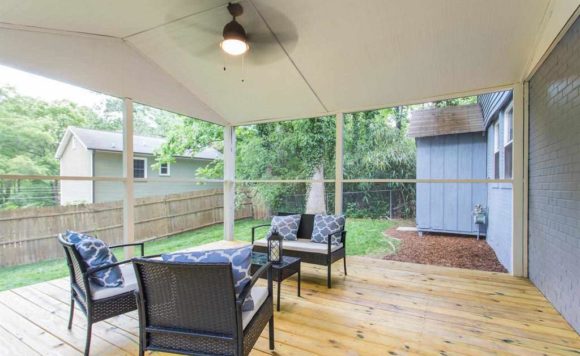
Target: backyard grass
365,237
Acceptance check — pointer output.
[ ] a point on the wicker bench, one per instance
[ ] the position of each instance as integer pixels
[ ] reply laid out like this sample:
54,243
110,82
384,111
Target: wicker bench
306,250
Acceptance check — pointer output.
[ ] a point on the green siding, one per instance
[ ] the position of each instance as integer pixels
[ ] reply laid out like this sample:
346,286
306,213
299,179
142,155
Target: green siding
111,164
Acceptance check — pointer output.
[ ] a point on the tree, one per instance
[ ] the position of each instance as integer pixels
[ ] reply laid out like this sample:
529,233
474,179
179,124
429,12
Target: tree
147,121
30,131
375,147
468,100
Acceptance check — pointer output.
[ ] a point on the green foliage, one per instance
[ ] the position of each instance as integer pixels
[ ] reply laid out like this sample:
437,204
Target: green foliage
468,100
376,146
190,135
30,131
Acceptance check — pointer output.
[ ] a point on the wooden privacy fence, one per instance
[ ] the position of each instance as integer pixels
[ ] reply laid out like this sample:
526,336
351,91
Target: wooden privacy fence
29,235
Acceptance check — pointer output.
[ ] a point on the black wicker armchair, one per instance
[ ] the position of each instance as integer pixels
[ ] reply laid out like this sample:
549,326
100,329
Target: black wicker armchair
98,303
191,308
307,251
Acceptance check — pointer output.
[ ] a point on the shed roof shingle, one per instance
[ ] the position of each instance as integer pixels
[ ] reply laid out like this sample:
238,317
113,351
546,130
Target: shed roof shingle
446,121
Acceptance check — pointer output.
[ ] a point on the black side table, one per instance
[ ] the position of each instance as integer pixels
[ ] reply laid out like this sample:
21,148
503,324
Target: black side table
288,267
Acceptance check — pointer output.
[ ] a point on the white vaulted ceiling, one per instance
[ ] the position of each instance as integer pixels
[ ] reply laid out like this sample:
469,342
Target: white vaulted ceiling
307,58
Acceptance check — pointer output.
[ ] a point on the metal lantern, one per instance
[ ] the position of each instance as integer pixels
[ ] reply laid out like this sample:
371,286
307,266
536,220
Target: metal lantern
275,247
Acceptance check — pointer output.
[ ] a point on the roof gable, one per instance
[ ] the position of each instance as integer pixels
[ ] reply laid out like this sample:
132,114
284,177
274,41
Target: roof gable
113,141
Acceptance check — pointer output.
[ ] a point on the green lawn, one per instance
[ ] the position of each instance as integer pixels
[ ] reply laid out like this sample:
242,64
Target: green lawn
365,237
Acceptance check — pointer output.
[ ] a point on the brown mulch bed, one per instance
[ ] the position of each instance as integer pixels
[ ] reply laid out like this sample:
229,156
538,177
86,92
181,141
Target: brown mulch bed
445,250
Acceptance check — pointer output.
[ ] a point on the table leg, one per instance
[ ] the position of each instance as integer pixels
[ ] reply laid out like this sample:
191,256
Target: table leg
278,304
299,279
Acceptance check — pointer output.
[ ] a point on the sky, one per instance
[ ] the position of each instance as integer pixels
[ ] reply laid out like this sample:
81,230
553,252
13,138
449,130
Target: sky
46,89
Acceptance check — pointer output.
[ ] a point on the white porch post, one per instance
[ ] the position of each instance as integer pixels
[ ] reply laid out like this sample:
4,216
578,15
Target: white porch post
129,193
519,215
229,185
526,148
339,164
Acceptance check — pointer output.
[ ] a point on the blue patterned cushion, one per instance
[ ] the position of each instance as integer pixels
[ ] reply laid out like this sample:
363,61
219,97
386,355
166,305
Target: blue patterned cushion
287,226
240,258
325,225
94,253
75,237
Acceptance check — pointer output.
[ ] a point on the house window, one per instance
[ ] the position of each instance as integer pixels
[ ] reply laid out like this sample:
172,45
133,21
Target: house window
508,120
140,168
496,146
164,169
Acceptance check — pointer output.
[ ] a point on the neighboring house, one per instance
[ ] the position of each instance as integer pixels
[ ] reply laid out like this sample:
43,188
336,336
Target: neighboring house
92,153
466,142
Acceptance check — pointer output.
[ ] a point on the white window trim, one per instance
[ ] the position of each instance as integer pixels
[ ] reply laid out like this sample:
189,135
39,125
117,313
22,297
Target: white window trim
506,139
496,143
168,170
144,159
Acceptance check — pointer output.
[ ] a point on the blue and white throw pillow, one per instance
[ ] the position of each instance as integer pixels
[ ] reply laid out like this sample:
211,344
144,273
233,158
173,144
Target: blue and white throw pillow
94,253
287,226
325,225
240,258
75,237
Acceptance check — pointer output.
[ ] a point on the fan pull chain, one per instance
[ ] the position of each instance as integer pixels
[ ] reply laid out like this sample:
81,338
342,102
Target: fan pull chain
225,59
243,67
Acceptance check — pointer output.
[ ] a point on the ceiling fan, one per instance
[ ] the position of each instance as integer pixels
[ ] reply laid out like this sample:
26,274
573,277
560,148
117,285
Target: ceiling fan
235,40
255,40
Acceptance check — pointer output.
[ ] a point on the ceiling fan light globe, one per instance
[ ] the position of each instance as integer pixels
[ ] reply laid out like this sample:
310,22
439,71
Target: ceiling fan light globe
234,47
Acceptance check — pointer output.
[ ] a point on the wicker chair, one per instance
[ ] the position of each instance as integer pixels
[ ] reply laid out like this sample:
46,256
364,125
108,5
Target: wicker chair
307,251
191,308
98,303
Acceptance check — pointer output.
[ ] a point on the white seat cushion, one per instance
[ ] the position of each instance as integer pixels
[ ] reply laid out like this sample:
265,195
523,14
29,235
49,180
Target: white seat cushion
259,294
302,245
129,285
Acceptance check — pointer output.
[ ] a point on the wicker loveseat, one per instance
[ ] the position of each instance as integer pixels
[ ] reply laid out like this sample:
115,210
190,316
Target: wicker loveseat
308,251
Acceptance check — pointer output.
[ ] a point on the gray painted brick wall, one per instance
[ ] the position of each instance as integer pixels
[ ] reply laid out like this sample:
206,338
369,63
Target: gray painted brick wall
554,171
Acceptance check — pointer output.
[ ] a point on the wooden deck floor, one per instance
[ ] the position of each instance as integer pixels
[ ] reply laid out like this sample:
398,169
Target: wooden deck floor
381,308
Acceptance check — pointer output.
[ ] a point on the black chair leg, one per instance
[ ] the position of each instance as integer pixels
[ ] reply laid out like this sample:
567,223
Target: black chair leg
271,330
345,265
89,331
72,312
329,278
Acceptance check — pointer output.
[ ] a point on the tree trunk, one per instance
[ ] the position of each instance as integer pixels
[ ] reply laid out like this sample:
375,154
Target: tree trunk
316,202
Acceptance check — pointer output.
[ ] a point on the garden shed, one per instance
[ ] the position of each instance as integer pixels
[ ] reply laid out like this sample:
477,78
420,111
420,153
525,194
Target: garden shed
451,144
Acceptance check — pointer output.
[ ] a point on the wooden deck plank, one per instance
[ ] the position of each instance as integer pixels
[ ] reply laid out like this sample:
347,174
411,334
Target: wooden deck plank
382,307
13,345
57,326
117,336
31,335
473,307
515,326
